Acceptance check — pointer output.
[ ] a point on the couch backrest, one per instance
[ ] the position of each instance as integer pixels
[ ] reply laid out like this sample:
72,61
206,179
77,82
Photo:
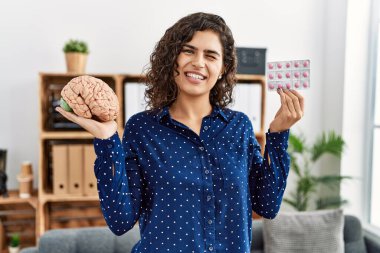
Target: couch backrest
101,239
87,240
352,235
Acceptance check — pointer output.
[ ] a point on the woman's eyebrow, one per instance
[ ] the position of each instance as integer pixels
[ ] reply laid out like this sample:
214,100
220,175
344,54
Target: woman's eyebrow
207,50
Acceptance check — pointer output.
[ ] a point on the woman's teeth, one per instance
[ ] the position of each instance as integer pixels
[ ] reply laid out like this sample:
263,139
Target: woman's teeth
195,76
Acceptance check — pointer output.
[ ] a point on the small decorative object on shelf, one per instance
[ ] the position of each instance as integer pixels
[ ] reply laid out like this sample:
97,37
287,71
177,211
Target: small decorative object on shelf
25,179
14,246
251,61
3,174
76,53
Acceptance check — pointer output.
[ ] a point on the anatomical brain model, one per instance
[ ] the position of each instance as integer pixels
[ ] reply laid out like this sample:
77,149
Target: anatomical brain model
90,97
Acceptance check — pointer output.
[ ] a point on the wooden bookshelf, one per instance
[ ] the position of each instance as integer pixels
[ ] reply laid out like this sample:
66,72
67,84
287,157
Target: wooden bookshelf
18,215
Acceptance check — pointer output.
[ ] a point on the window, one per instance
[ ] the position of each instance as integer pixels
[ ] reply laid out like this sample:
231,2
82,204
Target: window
374,217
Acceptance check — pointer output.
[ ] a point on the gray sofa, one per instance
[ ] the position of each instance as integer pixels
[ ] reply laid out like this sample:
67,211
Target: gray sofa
101,239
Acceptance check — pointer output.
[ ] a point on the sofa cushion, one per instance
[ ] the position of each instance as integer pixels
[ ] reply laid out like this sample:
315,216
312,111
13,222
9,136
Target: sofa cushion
257,236
87,240
353,235
83,240
313,232
126,242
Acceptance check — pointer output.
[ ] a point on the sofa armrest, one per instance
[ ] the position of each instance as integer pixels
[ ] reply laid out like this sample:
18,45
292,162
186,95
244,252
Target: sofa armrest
29,250
372,243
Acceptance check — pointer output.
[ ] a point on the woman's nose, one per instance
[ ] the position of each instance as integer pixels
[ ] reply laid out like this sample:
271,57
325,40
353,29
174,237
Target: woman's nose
198,61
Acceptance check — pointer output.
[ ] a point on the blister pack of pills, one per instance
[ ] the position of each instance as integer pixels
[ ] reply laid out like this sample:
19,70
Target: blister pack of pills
288,75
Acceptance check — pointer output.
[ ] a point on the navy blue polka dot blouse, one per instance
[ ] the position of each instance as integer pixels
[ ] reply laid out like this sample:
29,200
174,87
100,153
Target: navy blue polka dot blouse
189,192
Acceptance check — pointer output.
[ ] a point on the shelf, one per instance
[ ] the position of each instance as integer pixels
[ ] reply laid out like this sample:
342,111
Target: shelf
66,135
66,198
44,74
18,215
132,77
250,78
15,199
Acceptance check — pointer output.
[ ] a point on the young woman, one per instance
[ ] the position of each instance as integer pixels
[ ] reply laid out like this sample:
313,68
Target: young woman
189,169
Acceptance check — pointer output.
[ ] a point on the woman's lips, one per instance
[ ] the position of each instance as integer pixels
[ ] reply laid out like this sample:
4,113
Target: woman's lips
194,77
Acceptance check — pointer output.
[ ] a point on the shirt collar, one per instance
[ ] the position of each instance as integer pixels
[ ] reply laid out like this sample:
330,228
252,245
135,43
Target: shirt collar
215,112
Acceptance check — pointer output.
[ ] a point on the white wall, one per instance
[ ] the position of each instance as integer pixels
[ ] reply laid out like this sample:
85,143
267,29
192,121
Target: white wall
355,104
121,36
333,80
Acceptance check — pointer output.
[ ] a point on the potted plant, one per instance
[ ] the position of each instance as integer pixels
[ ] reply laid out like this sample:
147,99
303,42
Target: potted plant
76,53
302,158
14,246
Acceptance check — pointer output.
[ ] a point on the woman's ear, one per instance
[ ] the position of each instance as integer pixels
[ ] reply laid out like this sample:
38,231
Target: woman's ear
222,72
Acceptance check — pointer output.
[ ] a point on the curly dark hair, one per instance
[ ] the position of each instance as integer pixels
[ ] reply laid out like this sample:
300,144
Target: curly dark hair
161,88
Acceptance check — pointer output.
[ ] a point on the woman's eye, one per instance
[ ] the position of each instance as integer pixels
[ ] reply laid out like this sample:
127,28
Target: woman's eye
187,51
211,57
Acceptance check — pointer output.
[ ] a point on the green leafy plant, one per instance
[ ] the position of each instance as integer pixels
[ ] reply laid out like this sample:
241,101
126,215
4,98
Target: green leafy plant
302,158
15,240
76,46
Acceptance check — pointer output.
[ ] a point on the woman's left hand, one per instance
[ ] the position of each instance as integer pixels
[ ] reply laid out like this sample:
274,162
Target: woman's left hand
291,110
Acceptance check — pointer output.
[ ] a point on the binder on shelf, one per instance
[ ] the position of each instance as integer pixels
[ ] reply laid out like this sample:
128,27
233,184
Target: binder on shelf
60,171
75,160
90,186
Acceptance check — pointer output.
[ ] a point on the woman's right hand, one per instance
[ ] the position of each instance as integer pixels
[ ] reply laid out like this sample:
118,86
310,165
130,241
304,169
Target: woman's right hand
100,130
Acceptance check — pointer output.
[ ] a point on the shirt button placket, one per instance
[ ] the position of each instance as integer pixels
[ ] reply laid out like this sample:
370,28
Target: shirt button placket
210,206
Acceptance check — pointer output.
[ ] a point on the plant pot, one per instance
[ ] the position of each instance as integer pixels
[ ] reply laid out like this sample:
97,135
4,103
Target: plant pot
76,62
14,249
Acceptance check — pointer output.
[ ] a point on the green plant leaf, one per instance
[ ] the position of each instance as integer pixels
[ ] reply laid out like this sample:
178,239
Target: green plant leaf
296,144
290,202
306,184
294,165
330,202
75,46
331,179
15,240
331,143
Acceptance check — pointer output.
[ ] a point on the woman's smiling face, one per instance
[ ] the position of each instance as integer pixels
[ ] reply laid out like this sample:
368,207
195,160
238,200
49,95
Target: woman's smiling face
200,63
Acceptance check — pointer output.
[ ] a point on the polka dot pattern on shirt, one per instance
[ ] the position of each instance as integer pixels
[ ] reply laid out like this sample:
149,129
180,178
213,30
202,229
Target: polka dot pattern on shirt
189,192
